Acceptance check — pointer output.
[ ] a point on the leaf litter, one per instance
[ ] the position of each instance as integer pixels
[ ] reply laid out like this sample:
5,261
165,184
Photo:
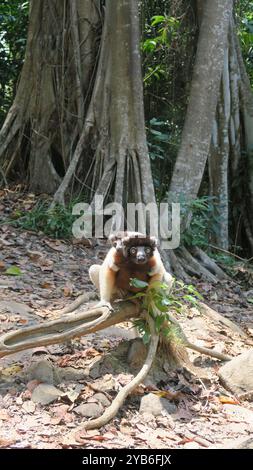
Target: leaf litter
38,275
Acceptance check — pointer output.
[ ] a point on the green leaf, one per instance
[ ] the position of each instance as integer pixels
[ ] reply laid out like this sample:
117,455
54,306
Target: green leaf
155,122
13,271
190,298
157,20
149,45
160,319
138,284
159,303
146,338
136,296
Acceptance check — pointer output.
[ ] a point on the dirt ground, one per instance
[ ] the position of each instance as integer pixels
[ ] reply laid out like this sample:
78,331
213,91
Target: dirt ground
39,276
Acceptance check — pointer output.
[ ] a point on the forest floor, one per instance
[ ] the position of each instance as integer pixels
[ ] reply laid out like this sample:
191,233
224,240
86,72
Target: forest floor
82,376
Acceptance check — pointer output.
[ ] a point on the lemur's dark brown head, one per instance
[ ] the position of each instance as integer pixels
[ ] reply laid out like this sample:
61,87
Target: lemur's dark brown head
135,247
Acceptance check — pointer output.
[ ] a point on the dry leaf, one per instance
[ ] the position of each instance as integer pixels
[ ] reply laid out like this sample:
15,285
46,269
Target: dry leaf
47,285
12,370
34,255
228,400
68,290
29,406
168,394
2,265
32,385
56,246
4,415
6,442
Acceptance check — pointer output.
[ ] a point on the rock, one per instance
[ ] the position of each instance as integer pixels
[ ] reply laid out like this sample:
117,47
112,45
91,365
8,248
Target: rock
94,368
42,371
137,353
156,406
237,374
106,384
15,307
191,445
102,399
248,444
45,394
89,410
70,374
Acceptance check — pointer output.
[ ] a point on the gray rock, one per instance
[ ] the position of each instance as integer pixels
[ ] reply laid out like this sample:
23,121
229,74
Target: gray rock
89,410
45,394
15,307
102,398
70,374
156,406
43,371
237,374
137,353
248,444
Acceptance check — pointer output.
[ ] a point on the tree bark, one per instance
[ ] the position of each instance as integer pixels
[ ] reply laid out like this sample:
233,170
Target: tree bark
115,125
44,121
219,159
196,137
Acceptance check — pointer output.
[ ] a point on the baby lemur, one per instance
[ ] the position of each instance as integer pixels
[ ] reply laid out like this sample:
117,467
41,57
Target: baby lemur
132,255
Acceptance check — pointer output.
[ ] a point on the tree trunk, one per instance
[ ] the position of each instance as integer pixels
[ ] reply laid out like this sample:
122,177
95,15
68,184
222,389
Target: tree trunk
196,137
230,159
114,124
219,159
45,119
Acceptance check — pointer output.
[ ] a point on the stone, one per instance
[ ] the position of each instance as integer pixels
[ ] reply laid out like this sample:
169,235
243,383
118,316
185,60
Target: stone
45,394
102,398
43,371
237,374
89,410
136,354
248,444
156,405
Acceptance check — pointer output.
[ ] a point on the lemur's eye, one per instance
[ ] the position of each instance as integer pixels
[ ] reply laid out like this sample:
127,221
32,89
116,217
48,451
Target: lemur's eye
133,250
147,250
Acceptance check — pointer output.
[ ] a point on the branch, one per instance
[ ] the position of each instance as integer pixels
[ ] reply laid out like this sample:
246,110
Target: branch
74,325
82,299
113,409
185,342
66,328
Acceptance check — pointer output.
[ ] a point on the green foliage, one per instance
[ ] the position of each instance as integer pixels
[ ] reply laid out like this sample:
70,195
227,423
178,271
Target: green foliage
54,222
227,262
204,221
13,26
163,142
158,300
158,37
244,17
168,31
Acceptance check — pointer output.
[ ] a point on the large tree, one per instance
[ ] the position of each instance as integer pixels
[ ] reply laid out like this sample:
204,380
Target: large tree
78,118
218,127
78,114
46,118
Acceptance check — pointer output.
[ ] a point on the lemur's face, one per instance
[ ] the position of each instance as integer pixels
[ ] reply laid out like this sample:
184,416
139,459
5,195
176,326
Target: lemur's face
139,254
135,247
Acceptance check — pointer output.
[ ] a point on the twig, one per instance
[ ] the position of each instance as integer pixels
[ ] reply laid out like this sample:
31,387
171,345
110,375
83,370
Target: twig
231,254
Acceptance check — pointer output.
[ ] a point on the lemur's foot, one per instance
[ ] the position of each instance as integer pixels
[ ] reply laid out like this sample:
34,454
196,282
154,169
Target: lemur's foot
104,303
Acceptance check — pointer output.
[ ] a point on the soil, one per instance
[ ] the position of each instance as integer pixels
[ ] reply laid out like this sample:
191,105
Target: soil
38,277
